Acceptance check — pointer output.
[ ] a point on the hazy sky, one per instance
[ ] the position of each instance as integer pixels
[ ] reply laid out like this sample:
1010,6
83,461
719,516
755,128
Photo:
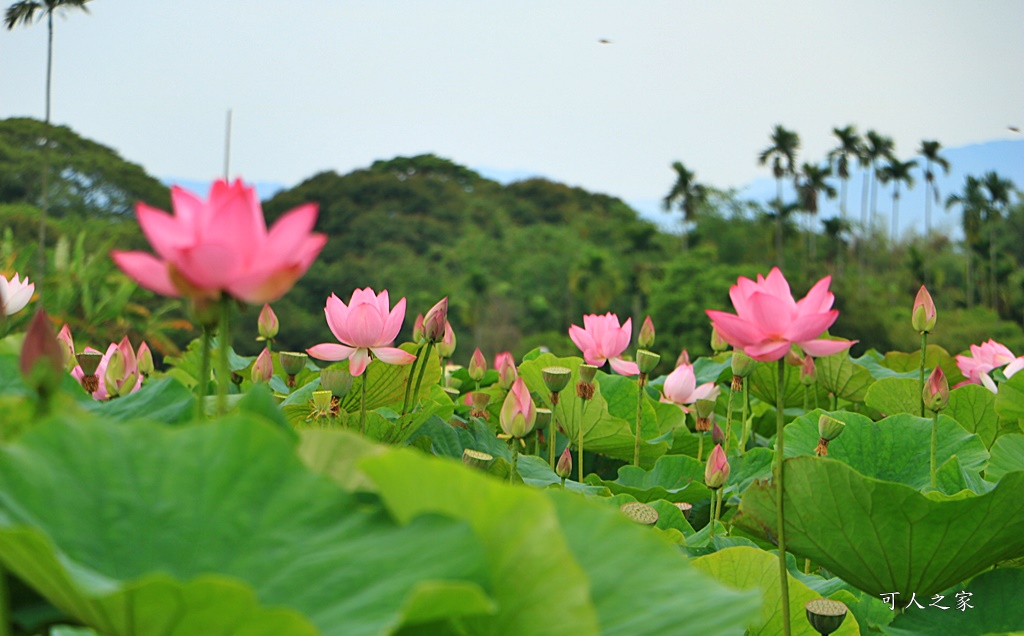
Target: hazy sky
517,87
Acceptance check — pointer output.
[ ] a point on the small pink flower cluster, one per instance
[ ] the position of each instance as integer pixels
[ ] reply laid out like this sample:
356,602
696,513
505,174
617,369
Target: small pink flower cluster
985,358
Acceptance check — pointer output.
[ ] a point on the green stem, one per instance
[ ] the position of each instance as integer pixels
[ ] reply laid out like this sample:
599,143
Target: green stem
408,381
700,445
807,398
924,346
814,389
551,432
807,566
423,367
444,363
224,343
515,460
203,381
718,509
935,440
362,404
5,621
728,421
714,512
745,430
579,444
640,381
780,454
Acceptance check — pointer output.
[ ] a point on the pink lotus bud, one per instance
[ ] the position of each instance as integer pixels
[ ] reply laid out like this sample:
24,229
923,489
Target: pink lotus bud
564,466
115,372
477,366
67,344
717,436
807,375
936,391
41,361
717,470
435,321
924,316
15,294
267,324
417,329
793,358
263,368
145,360
446,347
131,362
518,414
645,340
506,367
684,358
718,343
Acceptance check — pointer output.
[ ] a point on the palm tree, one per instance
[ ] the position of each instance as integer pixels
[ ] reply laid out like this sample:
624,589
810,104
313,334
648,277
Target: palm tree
24,12
688,195
998,190
898,172
812,181
849,148
973,202
782,152
876,148
930,151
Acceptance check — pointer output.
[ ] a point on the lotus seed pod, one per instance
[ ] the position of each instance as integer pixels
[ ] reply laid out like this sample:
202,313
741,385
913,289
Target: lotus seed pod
543,419
476,459
293,362
587,373
556,378
640,513
89,361
685,508
825,616
646,361
829,427
322,401
337,381
742,364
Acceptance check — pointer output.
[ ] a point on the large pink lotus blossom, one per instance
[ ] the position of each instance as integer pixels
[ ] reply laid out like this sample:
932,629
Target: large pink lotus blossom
129,376
768,321
984,359
681,388
601,338
222,245
367,325
15,294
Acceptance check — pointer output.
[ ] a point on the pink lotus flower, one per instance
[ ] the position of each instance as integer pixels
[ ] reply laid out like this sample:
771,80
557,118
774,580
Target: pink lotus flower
518,414
505,364
984,358
681,388
15,294
222,245
601,338
768,321
127,378
365,326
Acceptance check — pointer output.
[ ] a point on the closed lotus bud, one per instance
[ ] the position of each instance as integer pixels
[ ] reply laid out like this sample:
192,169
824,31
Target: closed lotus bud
145,360
924,316
556,378
446,347
936,391
587,373
505,364
267,324
742,364
115,371
263,368
684,358
67,345
646,361
807,375
563,468
717,470
718,344
793,358
477,366
829,428
435,320
42,357
518,414
293,362
825,616
417,329
717,436
337,381
645,339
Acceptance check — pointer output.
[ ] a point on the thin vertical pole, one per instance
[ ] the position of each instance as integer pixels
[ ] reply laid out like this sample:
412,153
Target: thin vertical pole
227,147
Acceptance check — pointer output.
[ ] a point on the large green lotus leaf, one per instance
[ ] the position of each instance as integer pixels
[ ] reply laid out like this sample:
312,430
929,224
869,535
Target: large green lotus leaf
674,478
12,383
885,537
872,361
934,355
385,383
840,375
995,608
892,396
749,568
557,560
974,407
1010,401
756,463
165,400
761,384
897,448
1007,456
951,478
209,528
604,431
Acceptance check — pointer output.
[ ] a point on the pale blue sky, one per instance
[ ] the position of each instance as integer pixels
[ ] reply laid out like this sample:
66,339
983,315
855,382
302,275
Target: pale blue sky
518,86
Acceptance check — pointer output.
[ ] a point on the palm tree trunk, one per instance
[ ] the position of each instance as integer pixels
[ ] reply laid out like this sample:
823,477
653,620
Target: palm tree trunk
43,202
778,224
874,195
970,276
993,297
895,212
928,185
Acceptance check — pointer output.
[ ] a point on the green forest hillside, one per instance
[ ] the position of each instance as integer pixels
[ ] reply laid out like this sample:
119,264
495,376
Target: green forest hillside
520,262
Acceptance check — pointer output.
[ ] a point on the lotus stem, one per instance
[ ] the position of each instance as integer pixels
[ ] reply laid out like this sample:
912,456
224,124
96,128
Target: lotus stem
362,404
579,443
924,345
552,428
780,454
639,413
419,378
408,381
203,381
935,442
700,445
515,460
745,429
714,511
224,340
807,566
5,620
